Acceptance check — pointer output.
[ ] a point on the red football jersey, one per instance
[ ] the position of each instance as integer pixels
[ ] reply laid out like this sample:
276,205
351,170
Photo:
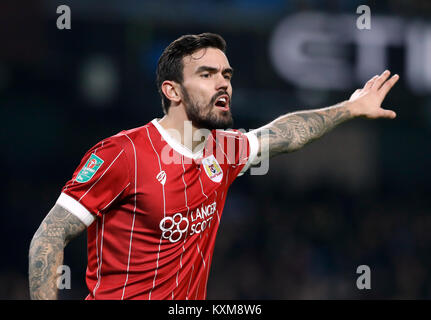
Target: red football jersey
153,209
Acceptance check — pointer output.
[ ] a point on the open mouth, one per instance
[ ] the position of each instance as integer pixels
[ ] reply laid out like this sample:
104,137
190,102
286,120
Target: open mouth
222,102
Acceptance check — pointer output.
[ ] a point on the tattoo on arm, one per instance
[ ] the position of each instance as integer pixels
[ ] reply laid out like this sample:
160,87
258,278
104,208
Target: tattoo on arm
46,251
292,131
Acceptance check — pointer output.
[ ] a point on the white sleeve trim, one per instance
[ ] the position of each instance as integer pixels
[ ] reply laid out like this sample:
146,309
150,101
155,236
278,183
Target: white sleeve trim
77,209
254,148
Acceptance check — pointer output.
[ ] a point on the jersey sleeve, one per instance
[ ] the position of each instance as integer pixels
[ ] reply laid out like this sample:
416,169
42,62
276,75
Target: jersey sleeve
101,179
253,148
240,151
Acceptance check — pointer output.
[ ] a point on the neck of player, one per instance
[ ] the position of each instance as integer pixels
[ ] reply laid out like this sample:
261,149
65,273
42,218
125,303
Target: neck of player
189,135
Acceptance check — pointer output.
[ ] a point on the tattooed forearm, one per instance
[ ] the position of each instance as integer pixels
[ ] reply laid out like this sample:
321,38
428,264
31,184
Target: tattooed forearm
46,251
292,131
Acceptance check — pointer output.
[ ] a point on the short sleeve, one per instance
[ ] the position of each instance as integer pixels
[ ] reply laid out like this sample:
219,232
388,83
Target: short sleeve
253,147
239,151
102,178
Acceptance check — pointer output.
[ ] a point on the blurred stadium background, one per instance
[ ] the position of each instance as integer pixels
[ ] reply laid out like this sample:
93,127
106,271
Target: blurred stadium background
358,196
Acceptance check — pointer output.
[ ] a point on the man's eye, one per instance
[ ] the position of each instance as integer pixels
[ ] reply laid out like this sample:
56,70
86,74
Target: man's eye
205,75
228,77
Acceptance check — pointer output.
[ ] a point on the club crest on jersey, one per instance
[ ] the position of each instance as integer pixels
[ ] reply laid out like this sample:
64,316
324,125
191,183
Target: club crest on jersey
212,168
161,177
90,168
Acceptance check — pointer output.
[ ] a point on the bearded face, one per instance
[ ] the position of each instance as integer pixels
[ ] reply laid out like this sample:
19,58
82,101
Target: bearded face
206,89
211,114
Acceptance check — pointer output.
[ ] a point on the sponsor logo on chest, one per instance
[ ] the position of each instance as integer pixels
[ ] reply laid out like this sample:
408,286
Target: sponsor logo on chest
174,227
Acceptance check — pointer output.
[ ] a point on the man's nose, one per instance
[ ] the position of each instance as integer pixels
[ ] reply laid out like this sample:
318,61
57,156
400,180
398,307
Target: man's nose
222,83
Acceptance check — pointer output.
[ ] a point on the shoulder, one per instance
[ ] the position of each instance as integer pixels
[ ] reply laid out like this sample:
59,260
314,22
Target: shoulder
129,139
231,133
229,137
125,142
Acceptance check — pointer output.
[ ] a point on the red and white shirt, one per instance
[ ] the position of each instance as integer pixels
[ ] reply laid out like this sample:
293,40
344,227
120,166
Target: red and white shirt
153,208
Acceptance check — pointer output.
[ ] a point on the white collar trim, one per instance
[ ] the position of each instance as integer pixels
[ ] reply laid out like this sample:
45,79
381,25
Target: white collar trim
177,146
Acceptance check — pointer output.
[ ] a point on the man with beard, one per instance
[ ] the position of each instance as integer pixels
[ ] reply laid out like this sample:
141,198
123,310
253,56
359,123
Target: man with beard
151,198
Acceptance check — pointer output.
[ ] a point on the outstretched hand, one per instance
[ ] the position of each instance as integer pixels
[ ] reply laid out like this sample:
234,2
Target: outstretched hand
366,102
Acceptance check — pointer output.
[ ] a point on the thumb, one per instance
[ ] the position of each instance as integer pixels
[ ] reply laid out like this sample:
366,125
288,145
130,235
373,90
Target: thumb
388,114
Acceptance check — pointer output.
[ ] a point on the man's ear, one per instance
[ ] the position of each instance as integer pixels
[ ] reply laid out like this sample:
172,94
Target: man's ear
171,90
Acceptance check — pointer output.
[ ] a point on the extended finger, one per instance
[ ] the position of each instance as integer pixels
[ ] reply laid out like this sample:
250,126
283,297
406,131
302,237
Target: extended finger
380,79
388,85
370,82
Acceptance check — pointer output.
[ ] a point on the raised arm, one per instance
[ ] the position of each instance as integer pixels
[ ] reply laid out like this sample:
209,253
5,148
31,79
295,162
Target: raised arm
46,251
294,130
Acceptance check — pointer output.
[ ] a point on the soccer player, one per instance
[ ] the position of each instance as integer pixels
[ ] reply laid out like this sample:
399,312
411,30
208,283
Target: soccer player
151,198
